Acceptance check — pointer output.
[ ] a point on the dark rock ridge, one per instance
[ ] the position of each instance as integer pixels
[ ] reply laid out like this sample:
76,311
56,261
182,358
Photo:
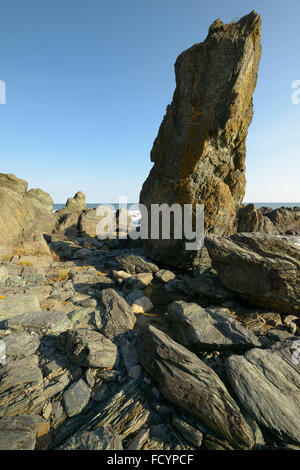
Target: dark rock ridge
263,269
281,221
199,153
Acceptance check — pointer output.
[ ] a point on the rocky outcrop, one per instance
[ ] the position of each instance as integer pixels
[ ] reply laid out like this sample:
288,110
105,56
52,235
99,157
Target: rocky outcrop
191,385
267,383
199,153
281,221
22,210
263,269
74,204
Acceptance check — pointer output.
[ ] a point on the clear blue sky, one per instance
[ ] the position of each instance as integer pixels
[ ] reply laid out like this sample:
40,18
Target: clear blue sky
88,83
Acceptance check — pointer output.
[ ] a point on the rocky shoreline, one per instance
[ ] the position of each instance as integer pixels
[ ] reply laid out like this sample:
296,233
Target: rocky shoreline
112,344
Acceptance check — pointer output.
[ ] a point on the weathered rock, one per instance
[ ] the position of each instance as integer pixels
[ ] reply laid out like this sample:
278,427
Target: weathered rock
3,273
199,153
252,220
76,397
13,305
116,317
211,328
21,210
190,384
88,348
41,322
74,204
192,435
87,223
286,220
274,372
263,269
20,345
21,387
136,264
18,432
103,438
209,285
40,199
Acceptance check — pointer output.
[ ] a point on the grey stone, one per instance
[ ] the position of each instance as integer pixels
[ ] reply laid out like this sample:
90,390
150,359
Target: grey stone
41,322
136,264
267,384
116,317
211,328
263,269
88,348
190,384
76,397
164,275
3,273
18,433
191,434
13,305
20,345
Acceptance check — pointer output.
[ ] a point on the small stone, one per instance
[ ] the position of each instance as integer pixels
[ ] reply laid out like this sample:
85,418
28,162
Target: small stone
142,305
164,275
121,275
76,398
89,378
143,280
191,434
92,303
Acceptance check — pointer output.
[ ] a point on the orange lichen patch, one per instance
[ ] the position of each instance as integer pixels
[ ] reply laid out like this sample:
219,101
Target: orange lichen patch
25,263
2,297
100,273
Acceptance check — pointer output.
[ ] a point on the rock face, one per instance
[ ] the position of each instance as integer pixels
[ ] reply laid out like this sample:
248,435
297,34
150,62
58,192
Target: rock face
284,220
273,372
117,317
103,438
199,153
190,384
263,269
21,209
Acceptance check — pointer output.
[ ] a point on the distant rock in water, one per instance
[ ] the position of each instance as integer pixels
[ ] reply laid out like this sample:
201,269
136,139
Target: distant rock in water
199,153
281,221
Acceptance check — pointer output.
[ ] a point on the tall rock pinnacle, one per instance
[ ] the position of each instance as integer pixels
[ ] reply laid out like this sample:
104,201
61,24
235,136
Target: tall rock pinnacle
199,153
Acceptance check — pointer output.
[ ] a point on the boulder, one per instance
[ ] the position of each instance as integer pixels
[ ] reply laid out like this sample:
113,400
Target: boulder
40,199
14,305
209,329
263,269
267,384
43,322
18,432
88,348
116,317
199,153
251,219
190,384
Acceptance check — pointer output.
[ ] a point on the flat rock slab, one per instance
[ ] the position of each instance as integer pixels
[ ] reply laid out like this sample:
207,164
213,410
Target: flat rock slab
17,304
103,438
76,397
116,316
88,348
210,328
18,433
136,264
267,384
21,387
41,322
20,345
190,384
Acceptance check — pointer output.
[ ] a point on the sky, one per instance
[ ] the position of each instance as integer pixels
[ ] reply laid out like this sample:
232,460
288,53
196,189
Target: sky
88,82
